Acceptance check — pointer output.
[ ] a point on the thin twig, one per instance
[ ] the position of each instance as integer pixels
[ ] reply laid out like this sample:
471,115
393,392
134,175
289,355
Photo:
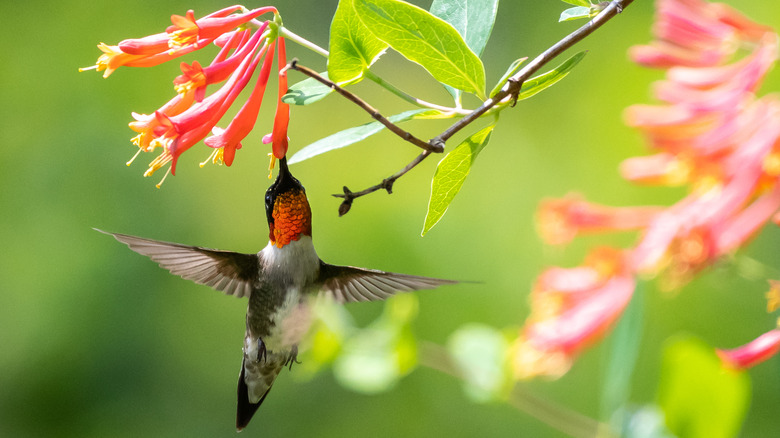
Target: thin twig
558,417
509,90
386,184
515,83
395,129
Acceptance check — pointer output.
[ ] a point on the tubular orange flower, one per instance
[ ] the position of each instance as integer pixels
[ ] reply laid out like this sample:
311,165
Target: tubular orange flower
187,30
189,117
230,139
567,316
282,118
197,122
709,132
148,45
560,220
113,57
148,126
194,77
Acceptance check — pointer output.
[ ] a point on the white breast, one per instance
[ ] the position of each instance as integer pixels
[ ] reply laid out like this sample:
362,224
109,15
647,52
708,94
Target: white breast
296,262
296,267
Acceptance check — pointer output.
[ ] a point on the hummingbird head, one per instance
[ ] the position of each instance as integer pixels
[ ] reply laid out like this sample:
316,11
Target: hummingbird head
287,209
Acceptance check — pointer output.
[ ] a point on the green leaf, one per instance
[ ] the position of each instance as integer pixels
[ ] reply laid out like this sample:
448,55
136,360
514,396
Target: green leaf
307,91
353,48
578,12
643,422
539,83
375,358
513,68
331,326
700,397
578,2
623,352
355,134
450,175
473,19
368,362
425,39
479,352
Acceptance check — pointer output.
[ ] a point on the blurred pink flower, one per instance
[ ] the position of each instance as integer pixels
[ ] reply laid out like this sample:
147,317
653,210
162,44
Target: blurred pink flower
709,132
752,353
561,220
571,309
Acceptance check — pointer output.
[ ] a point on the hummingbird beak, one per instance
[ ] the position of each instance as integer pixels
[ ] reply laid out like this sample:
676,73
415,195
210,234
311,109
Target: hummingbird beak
284,171
285,182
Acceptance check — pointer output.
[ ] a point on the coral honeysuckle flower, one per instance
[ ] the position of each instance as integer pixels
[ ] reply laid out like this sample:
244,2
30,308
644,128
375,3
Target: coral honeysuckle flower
113,57
659,169
191,115
752,353
196,123
686,235
197,78
194,77
566,316
282,117
230,139
147,125
187,30
560,220
695,33
178,132
148,45
709,132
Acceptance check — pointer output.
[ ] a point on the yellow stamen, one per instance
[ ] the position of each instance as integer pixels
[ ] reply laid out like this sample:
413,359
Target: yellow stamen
161,160
163,178
215,157
773,296
134,157
678,172
271,165
184,88
771,164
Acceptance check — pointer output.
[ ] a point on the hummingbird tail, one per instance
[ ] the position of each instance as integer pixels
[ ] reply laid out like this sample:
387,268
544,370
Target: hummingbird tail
246,408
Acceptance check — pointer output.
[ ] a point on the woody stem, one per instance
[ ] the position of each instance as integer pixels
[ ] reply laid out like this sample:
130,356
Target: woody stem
509,91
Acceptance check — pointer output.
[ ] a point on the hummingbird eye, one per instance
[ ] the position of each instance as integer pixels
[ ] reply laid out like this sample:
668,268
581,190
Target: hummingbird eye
268,201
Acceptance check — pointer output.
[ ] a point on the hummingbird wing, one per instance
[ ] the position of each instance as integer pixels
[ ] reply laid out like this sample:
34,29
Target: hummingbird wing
229,272
347,283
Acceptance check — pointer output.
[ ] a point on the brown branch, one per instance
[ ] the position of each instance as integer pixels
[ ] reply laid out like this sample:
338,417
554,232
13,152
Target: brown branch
510,89
515,83
395,129
386,184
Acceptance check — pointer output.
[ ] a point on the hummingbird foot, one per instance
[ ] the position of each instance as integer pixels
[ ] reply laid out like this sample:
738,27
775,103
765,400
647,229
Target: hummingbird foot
292,357
261,351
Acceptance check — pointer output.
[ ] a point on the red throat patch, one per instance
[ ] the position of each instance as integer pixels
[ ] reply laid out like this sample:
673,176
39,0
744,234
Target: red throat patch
292,218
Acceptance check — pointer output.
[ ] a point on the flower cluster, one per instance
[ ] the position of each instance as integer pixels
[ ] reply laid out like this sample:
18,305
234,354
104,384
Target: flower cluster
192,115
710,133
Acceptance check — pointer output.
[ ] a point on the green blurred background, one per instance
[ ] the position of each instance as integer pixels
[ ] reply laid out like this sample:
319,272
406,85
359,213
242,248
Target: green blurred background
98,341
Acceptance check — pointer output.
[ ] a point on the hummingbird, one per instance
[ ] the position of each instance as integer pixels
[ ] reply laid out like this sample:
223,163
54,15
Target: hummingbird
278,282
